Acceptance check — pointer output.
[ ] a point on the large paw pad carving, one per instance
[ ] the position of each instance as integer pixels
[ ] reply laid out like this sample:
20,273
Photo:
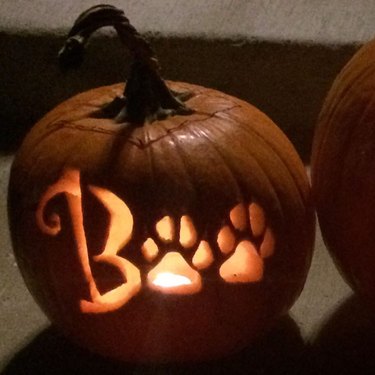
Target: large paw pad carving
246,240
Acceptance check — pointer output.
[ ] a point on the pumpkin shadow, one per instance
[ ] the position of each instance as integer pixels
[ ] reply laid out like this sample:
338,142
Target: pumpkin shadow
282,351
346,342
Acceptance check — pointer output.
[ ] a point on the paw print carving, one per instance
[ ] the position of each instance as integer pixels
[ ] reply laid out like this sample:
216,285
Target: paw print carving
178,270
245,240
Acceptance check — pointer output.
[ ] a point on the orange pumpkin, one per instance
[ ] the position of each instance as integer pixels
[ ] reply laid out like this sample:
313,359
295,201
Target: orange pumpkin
154,226
343,178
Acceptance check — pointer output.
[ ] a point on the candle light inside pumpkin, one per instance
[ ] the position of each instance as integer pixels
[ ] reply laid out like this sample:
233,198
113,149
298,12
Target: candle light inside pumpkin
173,275
168,280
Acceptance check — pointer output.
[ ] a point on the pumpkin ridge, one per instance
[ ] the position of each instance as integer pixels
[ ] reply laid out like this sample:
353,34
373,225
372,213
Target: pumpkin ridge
216,113
227,164
331,126
294,178
60,118
348,145
180,154
95,129
343,161
298,179
51,130
329,111
151,165
261,168
145,144
35,164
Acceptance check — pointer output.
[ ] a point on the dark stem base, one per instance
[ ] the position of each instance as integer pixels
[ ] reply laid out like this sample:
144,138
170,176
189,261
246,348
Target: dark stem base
146,99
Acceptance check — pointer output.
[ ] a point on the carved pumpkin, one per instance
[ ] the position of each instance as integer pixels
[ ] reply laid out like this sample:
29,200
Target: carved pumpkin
343,163
152,229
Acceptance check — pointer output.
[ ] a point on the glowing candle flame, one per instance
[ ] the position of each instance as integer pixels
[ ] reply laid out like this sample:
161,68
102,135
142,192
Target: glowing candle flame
169,280
173,275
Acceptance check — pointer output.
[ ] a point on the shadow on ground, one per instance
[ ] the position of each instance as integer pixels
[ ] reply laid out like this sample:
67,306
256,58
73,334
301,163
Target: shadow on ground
346,342
282,351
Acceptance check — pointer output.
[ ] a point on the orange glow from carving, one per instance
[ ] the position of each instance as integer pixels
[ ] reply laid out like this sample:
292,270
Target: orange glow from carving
120,230
188,234
244,266
203,257
226,240
238,217
173,269
119,296
170,280
121,226
121,220
165,229
69,183
150,250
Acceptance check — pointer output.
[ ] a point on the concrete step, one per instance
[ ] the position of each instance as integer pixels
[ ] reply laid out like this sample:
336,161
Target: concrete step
279,55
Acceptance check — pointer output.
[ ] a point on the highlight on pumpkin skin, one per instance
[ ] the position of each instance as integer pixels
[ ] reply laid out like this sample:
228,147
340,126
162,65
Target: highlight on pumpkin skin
245,263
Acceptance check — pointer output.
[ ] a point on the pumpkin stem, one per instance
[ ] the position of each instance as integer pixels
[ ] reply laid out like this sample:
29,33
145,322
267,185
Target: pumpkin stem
146,96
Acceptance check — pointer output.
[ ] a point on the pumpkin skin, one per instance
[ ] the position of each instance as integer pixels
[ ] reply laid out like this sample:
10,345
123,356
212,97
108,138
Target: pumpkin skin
343,162
203,165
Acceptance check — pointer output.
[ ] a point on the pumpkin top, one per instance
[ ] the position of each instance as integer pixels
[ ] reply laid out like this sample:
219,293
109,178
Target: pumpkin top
146,96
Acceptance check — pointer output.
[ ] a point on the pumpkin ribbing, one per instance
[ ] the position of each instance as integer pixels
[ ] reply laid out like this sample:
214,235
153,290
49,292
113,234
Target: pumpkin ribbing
343,160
